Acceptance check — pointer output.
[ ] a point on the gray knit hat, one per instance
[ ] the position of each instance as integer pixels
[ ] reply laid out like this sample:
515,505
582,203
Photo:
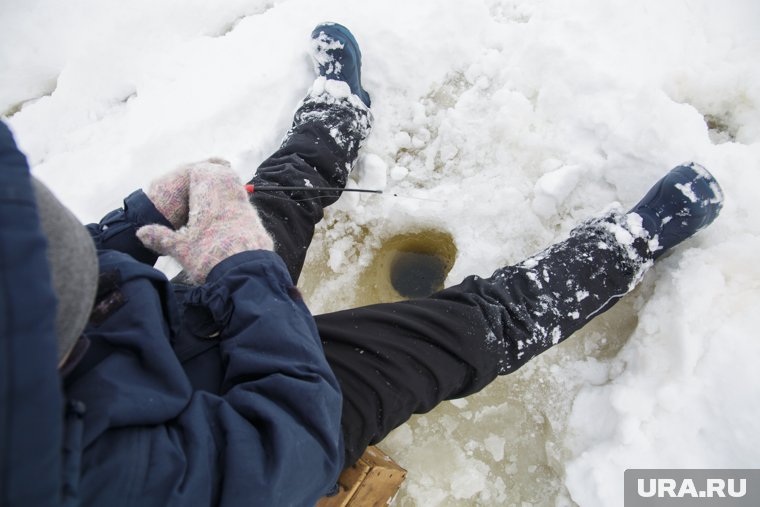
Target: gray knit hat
73,265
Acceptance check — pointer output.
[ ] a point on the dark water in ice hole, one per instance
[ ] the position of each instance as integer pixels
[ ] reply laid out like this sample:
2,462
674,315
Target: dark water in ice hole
407,266
417,275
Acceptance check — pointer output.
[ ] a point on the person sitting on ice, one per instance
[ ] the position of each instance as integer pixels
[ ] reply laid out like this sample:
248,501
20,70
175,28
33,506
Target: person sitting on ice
122,388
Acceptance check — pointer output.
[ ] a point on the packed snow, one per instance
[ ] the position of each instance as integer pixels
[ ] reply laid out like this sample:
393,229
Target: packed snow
500,122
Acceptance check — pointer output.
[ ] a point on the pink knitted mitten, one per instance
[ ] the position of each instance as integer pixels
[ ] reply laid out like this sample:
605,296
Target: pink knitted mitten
221,222
169,195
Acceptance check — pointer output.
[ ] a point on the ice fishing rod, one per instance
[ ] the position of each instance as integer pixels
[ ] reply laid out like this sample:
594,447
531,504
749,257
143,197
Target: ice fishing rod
272,188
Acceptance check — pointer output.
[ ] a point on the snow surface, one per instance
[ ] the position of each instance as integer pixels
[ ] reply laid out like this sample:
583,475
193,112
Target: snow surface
502,122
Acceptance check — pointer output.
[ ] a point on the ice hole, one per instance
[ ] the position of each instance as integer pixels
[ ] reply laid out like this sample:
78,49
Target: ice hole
408,266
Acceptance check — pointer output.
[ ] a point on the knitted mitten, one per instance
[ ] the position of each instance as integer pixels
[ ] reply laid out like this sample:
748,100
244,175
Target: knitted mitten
169,195
221,222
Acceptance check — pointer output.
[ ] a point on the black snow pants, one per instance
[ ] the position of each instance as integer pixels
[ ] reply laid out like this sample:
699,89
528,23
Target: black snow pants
397,359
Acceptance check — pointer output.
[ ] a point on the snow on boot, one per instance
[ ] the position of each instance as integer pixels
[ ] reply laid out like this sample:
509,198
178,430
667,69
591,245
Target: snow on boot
337,57
335,113
686,200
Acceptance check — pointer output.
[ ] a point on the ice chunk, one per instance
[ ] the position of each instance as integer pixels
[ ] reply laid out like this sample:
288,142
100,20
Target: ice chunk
371,172
495,445
399,172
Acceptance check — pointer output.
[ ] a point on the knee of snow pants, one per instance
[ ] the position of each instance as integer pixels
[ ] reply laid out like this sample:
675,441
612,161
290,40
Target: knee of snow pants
319,150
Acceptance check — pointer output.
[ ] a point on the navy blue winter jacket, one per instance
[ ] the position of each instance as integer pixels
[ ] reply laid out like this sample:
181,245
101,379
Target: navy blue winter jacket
125,425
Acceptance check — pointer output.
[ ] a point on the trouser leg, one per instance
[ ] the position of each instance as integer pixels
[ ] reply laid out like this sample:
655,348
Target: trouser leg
397,359
394,360
318,151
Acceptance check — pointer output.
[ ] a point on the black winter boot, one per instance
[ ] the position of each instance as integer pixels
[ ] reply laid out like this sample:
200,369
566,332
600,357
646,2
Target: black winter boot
335,114
336,56
686,200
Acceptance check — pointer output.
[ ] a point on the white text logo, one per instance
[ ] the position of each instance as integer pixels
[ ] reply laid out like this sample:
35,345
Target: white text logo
670,488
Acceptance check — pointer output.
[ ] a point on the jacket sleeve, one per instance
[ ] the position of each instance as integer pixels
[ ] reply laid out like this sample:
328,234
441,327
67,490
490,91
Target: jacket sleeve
277,377
30,399
117,230
270,437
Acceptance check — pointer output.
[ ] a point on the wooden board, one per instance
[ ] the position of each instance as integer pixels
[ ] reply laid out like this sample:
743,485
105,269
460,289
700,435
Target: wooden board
372,482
